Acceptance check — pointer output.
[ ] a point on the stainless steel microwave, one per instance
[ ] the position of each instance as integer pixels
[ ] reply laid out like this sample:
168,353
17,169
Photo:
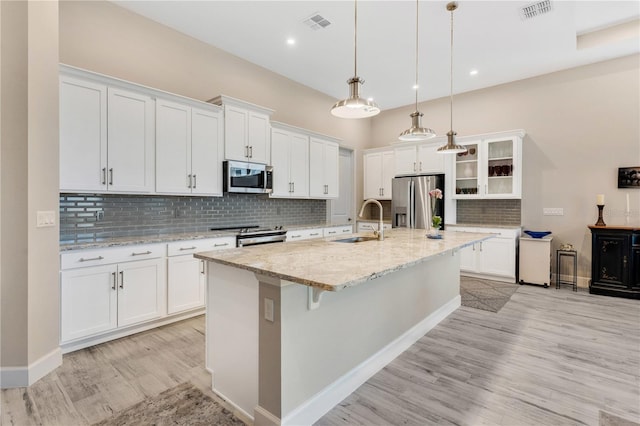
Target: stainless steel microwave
248,178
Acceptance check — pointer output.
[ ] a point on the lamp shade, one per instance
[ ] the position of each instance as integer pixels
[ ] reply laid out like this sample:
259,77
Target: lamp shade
416,132
354,106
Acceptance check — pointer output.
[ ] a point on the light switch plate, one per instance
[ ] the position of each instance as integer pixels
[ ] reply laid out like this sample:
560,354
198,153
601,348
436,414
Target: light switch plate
268,309
553,211
46,218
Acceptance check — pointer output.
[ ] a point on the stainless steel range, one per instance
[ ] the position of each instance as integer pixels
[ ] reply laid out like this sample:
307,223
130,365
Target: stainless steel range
253,235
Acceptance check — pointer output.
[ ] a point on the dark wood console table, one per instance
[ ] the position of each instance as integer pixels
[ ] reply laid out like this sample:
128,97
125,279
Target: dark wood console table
615,261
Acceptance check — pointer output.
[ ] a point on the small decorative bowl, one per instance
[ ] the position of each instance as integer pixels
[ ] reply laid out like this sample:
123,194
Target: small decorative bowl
537,234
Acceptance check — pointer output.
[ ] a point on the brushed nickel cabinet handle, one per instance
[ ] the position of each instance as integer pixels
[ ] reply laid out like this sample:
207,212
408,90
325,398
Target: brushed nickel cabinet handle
104,175
82,259
293,187
122,280
421,166
221,245
296,236
111,176
195,181
332,232
314,234
189,184
250,151
113,275
186,248
414,166
202,265
141,253
246,151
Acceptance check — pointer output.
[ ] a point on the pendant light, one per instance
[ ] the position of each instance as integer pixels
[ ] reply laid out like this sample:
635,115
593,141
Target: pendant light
416,132
354,106
451,147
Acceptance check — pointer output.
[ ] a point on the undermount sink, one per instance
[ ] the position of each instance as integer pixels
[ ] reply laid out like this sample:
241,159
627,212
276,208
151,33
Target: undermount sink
355,239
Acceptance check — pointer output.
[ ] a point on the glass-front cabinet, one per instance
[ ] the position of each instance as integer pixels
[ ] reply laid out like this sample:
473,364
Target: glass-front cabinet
491,167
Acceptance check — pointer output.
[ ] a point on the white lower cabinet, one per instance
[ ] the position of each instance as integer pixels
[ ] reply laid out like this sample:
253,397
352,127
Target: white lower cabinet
334,231
98,299
494,258
304,234
186,275
366,226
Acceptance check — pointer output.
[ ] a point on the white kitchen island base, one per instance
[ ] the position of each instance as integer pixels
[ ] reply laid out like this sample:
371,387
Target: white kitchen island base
294,369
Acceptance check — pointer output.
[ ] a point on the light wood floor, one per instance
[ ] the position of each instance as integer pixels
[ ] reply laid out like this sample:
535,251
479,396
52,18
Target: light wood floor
549,357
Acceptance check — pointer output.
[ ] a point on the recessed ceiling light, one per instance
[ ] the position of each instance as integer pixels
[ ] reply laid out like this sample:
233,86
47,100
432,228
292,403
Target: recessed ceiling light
473,72
291,41
416,86
370,99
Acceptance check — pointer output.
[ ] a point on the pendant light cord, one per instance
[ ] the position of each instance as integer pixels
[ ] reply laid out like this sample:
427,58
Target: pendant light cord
355,40
416,88
451,74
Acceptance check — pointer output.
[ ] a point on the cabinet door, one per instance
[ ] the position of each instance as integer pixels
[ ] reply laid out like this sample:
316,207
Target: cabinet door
235,133
429,161
185,286
405,160
498,257
316,169
206,152
331,169
173,147
131,141
388,173
373,175
469,258
280,160
141,291
466,171
635,269
610,260
259,137
500,164
299,165
83,135
88,301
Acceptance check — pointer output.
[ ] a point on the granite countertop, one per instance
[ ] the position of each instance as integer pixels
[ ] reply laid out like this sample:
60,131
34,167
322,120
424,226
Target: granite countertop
169,237
330,265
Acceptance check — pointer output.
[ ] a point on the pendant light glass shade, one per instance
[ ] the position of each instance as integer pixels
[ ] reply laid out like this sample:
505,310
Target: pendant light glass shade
354,106
451,147
416,132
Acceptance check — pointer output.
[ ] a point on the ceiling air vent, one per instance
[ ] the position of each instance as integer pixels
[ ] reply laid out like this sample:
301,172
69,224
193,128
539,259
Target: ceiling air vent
316,22
535,9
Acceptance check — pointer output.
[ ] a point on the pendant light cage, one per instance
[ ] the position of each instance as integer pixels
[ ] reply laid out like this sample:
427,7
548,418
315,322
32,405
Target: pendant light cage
451,147
354,106
416,132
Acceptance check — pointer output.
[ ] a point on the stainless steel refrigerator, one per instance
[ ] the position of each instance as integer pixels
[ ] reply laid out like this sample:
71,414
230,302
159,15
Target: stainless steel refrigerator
410,201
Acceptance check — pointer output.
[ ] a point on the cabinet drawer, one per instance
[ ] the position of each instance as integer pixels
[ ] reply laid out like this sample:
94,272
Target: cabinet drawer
304,234
179,248
501,232
371,226
334,231
94,257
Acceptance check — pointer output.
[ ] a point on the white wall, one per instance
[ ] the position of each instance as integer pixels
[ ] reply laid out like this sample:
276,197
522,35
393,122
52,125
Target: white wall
582,124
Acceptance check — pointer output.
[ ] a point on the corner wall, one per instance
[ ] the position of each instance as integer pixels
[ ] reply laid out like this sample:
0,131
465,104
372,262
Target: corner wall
29,181
582,124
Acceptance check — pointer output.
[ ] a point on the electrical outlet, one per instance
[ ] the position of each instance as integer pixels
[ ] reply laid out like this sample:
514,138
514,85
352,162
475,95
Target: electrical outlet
268,309
45,218
553,211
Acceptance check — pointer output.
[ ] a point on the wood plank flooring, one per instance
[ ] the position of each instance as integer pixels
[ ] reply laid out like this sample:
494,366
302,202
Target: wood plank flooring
549,357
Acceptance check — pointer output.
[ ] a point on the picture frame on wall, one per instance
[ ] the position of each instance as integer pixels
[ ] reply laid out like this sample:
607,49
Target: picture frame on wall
629,177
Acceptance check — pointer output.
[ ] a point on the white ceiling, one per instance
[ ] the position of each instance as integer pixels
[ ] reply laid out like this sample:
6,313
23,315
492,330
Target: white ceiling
489,36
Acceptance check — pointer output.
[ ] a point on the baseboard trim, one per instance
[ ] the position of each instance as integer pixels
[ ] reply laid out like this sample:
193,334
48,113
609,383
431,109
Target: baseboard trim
318,405
17,377
263,417
230,402
503,279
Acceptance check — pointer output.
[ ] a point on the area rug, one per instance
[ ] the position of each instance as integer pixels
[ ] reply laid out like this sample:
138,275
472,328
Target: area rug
183,405
608,419
485,294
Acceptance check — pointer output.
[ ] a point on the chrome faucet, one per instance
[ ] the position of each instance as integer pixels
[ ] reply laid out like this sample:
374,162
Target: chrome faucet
380,232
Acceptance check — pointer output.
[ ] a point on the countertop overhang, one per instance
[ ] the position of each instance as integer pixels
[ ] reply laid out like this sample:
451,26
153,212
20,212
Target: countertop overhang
332,266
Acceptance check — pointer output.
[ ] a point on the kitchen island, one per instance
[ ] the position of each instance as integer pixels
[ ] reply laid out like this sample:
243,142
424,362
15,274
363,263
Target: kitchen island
294,328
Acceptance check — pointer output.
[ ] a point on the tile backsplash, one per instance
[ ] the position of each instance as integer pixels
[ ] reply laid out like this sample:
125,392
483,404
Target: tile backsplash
489,212
88,217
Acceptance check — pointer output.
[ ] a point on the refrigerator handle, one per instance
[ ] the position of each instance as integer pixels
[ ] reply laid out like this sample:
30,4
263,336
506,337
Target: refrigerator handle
412,204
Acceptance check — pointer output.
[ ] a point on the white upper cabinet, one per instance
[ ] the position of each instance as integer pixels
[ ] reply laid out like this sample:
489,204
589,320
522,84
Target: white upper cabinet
419,158
83,135
106,137
247,130
491,168
323,168
290,161
379,170
130,133
188,149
